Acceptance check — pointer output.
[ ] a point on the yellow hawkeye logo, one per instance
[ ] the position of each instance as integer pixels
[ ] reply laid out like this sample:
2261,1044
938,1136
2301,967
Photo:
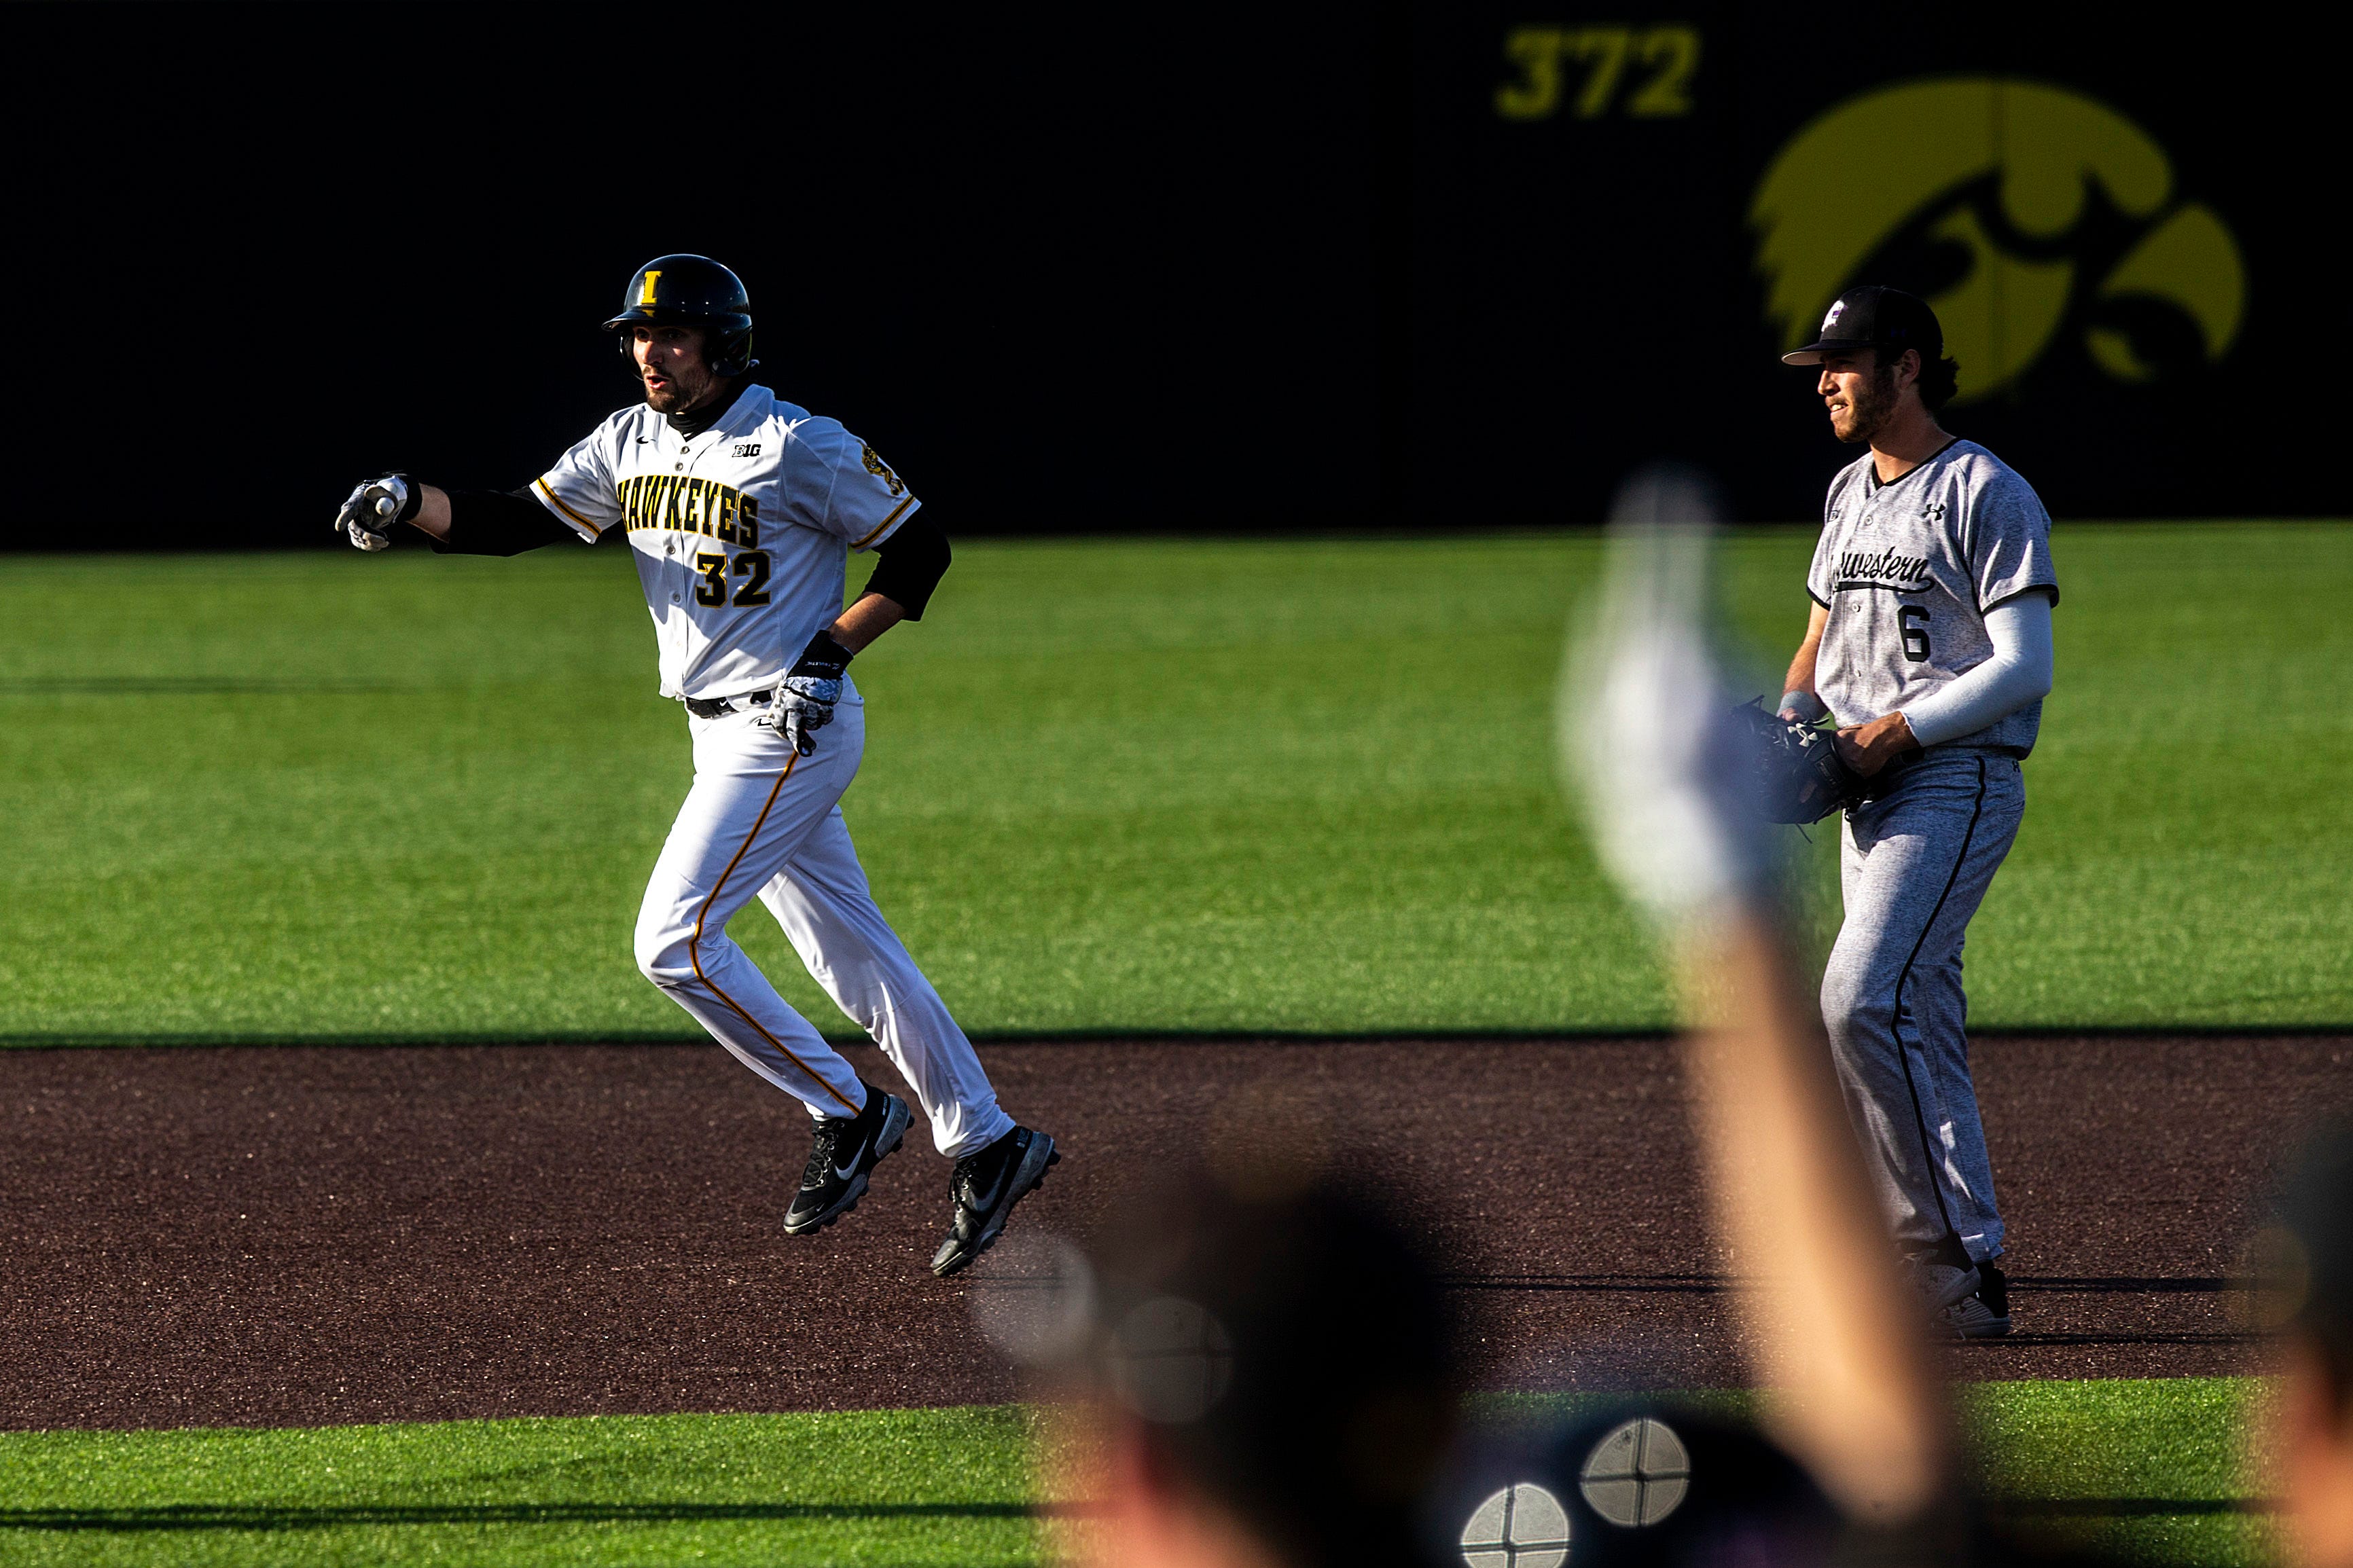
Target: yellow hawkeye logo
882,470
2005,170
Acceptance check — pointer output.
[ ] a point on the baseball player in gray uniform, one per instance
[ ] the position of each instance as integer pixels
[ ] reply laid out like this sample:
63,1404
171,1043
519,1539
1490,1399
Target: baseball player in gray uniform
741,510
1929,645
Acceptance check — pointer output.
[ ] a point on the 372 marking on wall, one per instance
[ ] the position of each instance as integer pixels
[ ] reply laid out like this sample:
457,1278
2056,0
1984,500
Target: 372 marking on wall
1662,59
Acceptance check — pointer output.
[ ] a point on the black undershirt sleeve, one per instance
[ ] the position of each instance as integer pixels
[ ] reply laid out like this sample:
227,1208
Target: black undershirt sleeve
912,560
500,522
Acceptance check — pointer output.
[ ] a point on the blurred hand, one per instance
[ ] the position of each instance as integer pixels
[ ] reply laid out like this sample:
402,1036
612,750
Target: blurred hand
1646,722
1647,726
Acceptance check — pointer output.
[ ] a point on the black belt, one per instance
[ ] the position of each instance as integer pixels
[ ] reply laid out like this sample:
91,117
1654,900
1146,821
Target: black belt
720,707
1881,785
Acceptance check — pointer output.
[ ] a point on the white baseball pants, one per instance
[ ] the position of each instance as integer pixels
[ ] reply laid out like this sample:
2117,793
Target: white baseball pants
1914,867
761,820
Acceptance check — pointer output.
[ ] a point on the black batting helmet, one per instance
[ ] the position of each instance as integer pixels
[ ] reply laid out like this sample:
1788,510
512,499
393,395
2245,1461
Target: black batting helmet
691,291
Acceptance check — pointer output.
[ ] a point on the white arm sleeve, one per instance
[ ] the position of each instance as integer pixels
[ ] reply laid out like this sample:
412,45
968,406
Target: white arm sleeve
2018,673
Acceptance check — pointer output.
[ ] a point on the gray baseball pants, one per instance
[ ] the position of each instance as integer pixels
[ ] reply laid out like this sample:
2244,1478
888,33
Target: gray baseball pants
1912,868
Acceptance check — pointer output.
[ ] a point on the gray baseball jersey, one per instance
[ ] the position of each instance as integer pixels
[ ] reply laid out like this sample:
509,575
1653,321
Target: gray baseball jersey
1907,571
742,533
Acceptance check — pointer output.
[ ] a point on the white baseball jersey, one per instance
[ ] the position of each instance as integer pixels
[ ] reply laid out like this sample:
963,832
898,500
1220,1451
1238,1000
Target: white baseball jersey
1907,571
742,533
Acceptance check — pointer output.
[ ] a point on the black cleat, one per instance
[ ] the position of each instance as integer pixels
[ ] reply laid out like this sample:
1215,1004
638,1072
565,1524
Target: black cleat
847,1147
1984,1312
1965,1300
984,1188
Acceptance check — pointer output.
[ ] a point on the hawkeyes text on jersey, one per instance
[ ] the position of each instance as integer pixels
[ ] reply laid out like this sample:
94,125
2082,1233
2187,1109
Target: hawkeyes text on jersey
685,505
741,533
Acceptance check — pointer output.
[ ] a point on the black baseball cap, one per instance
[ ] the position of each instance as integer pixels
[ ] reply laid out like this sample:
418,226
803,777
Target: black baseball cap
1870,317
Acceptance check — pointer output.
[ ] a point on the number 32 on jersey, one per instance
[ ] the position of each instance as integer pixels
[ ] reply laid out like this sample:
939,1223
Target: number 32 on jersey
717,566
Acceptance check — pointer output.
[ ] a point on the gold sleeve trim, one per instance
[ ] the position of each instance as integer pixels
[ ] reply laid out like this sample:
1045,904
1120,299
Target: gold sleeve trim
557,502
881,528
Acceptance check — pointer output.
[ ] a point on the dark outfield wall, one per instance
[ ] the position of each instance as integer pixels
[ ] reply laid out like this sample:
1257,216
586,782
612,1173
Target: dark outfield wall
1216,267
1620,215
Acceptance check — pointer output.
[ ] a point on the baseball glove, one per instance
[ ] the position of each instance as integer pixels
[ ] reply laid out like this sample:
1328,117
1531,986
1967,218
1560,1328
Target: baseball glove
1798,776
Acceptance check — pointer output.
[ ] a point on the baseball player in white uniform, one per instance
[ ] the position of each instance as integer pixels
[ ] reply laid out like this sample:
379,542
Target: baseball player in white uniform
1929,645
741,510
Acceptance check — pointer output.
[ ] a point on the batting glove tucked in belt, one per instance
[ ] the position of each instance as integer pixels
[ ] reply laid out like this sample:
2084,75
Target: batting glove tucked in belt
804,698
373,506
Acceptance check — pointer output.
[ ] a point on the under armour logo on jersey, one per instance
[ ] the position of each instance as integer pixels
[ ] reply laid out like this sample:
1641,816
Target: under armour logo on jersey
1934,511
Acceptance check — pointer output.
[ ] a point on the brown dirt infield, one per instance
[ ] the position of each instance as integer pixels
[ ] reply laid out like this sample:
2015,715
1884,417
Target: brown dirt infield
278,1236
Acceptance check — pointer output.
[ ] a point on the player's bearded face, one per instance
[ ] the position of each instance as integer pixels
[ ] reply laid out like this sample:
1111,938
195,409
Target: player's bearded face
1861,393
670,363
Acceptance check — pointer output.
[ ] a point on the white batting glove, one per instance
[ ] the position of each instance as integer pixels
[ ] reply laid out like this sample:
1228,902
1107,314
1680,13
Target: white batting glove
804,698
802,705
1644,721
373,506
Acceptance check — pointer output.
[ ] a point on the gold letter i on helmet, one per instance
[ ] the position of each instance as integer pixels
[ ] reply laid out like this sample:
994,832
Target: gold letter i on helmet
647,296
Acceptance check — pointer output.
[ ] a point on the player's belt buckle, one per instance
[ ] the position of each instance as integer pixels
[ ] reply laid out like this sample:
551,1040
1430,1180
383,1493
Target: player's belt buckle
720,707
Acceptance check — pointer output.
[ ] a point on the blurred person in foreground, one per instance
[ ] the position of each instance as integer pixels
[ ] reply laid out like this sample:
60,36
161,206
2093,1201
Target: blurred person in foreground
1271,1380
1267,1378
2304,1288
1668,794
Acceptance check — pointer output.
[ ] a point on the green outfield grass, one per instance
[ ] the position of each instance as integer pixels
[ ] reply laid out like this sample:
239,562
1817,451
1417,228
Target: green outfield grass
2149,1469
1135,786
2143,1469
946,1487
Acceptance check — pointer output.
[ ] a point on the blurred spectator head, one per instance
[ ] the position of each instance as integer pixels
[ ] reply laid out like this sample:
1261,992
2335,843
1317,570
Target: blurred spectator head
2304,1280
1275,1377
